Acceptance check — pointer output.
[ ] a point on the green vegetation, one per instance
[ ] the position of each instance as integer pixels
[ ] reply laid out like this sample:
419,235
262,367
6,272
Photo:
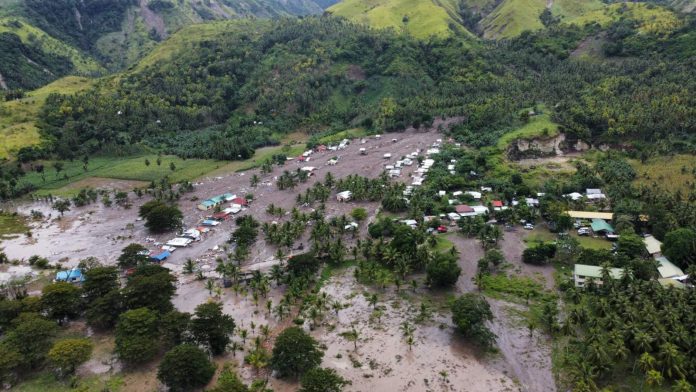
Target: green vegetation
511,17
17,117
119,169
650,18
676,172
353,133
421,19
539,126
512,288
569,9
11,225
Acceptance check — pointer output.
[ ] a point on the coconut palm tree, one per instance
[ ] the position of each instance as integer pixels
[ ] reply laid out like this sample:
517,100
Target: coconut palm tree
189,266
352,336
258,359
671,360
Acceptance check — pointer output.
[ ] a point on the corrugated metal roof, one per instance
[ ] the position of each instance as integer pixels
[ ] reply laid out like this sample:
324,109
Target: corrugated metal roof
652,244
595,271
591,215
667,269
601,225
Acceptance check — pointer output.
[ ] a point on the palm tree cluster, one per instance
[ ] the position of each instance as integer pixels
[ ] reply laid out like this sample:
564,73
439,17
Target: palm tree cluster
637,327
289,180
476,226
364,189
285,234
318,192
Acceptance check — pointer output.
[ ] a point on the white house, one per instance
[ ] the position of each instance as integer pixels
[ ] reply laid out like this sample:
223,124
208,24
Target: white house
582,273
474,194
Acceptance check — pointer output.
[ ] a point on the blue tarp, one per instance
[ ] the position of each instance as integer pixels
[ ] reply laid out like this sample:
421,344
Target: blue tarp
73,275
162,256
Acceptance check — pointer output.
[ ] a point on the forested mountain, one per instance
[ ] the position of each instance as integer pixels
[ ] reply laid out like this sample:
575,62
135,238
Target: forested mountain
46,39
204,92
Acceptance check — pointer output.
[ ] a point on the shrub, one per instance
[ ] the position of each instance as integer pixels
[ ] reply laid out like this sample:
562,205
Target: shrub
540,254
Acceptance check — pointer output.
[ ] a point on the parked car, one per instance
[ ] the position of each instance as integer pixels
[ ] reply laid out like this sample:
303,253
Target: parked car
583,231
528,226
442,229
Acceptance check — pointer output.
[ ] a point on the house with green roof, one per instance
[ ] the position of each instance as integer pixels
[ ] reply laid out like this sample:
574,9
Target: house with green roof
582,273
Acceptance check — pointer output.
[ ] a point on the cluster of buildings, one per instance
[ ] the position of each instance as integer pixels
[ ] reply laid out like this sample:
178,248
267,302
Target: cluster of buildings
591,194
668,273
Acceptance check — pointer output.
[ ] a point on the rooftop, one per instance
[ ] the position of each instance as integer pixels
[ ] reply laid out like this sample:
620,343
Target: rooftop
595,271
601,225
652,244
667,269
462,208
591,215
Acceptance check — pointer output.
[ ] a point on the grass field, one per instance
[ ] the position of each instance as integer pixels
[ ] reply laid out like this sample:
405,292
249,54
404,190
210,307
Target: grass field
260,156
132,168
671,173
443,244
347,134
17,118
538,126
420,18
11,225
539,235
511,17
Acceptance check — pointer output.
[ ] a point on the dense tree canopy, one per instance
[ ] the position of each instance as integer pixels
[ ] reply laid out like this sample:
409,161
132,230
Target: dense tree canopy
185,368
295,352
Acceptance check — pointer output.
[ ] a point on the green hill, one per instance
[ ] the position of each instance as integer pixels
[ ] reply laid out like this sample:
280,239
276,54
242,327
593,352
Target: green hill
511,17
495,19
18,117
649,18
420,18
31,58
87,37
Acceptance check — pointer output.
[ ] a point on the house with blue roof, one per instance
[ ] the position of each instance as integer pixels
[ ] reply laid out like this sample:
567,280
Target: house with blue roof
215,201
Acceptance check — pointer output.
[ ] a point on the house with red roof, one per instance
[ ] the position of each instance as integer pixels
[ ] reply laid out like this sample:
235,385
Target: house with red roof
241,201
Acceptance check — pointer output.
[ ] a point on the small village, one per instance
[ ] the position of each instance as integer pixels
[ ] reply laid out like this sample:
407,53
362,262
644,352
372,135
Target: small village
490,235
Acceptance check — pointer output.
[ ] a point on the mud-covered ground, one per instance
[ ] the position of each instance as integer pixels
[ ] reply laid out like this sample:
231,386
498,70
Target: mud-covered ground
439,359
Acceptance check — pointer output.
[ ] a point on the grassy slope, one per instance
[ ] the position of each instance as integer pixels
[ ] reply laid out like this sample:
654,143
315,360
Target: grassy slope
511,17
425,18
654,19
538,126
29,34
190,34
670,173
568,9
17,128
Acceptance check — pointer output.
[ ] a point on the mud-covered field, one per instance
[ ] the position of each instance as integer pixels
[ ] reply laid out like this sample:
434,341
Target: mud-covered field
381,360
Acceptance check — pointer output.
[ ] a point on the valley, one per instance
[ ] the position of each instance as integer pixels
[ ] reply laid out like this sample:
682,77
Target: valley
346,196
